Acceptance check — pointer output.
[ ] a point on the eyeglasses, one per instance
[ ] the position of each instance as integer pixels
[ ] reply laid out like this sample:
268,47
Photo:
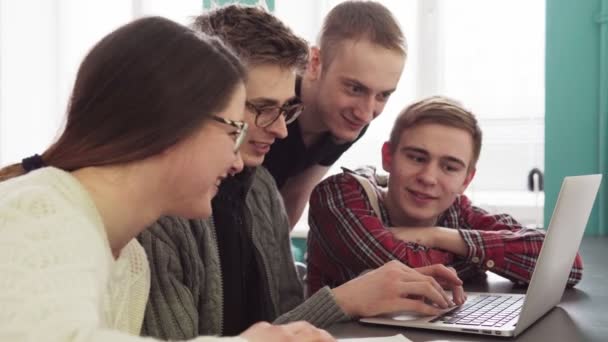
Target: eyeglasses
241,130
267,115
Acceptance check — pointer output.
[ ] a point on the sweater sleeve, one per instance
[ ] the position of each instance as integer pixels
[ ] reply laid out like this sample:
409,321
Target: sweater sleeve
171,312
54,271
320,310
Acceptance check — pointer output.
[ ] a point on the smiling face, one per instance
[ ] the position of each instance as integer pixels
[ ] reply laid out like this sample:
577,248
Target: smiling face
267,86
353,89
428,169
197,165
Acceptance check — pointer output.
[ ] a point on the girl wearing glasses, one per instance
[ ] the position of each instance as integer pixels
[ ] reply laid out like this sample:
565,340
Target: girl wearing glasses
153,127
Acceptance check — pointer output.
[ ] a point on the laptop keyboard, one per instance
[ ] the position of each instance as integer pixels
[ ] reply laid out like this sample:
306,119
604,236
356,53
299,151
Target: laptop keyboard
485,311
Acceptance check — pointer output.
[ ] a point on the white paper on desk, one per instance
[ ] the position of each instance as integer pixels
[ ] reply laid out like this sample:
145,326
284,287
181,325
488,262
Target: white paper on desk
395,338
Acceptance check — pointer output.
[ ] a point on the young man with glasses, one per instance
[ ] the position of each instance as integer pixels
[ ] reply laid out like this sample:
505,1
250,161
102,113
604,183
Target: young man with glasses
219,276
351,74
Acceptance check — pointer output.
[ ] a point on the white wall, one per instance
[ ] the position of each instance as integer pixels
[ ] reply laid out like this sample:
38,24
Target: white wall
28,78
42,43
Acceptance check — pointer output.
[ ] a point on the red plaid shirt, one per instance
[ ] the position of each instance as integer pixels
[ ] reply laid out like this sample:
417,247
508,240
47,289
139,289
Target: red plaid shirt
346,237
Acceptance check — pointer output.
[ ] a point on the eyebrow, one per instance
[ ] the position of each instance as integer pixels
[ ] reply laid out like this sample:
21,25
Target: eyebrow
359,84
353,81
267,102
426,153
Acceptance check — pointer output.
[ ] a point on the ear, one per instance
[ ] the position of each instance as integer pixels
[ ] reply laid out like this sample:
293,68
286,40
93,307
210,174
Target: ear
467,180
313,69
387,157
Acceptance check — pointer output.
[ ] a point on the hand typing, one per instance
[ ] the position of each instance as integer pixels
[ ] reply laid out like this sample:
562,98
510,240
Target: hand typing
397,287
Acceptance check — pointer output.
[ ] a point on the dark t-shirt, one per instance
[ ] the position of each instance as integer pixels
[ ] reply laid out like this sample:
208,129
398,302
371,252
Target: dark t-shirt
288,157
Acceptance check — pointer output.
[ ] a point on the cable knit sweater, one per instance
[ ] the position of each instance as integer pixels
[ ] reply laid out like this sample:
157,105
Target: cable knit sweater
186,295
58,278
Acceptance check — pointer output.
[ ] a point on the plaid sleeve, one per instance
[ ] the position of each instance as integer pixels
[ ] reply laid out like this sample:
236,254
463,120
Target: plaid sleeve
346,237
500,244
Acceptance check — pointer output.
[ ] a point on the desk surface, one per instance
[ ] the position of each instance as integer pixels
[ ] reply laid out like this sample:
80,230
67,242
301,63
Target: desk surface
582,314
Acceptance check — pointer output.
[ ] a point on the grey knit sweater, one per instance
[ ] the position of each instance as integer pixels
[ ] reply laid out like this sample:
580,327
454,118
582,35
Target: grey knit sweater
186,280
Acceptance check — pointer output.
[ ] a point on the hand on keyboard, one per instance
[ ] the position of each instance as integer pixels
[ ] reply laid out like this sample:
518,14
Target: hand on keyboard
397,287
447,280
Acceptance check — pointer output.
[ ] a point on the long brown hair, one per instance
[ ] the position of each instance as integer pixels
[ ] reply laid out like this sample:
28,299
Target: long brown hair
141,89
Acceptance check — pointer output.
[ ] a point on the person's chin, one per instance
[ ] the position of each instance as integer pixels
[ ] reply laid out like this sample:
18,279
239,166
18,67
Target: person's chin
419,214
343,136
205,213
202,211
252,159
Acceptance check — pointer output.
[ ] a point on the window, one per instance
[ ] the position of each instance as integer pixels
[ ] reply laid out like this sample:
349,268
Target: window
473,51
496,67
490,56
42,44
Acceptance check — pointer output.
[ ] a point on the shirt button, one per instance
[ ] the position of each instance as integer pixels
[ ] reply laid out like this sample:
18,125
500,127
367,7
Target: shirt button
490,263
475,260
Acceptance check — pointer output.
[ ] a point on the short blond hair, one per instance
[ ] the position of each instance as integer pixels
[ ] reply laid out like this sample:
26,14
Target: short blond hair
355,20
438,110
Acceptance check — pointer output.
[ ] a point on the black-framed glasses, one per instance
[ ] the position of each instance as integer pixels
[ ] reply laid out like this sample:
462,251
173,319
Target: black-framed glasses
241,130
267,115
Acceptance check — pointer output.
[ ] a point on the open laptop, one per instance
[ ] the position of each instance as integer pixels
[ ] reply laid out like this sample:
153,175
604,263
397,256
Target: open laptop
504,314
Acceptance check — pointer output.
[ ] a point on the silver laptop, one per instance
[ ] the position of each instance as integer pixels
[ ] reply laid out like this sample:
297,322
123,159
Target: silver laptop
503,314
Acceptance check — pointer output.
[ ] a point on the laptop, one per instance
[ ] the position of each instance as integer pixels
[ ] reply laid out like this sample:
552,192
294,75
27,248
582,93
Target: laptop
505,314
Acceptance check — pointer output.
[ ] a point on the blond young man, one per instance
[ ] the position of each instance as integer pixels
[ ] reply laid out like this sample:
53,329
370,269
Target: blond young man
422,217
351,74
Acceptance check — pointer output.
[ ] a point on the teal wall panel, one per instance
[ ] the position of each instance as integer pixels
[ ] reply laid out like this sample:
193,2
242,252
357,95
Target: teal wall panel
574,136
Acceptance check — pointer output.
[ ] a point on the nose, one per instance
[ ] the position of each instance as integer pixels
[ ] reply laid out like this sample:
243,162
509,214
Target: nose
278,128
237,164
428,174
366,110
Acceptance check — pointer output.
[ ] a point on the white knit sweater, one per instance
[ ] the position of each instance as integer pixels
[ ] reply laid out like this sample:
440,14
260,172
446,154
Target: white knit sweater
58,278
